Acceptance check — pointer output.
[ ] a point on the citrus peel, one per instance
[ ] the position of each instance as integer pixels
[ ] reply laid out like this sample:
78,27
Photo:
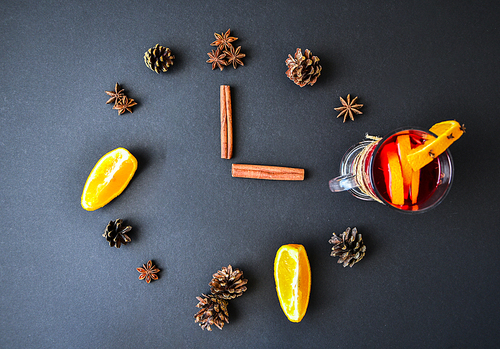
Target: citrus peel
292,275
109,177
447,132
393,173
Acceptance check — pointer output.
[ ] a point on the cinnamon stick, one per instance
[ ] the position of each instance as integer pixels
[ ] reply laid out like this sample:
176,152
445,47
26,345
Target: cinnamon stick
268,172
223,123
229,118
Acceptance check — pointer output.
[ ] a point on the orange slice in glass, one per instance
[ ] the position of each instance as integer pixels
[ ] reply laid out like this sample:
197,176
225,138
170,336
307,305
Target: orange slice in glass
109,177
393,173
292,274
447,132
404,147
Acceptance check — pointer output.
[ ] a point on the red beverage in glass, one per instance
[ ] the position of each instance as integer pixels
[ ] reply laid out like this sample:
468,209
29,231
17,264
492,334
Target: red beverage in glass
428,178
378,170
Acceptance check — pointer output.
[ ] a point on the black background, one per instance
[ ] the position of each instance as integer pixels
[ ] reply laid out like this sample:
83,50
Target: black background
428,280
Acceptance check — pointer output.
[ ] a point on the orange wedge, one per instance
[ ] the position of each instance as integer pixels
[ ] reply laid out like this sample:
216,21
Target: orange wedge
109,177
393,173
411,179
447,132
415,183
404,147
292,274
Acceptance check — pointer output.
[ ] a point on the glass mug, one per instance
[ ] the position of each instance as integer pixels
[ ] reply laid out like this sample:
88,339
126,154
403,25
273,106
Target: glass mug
365,173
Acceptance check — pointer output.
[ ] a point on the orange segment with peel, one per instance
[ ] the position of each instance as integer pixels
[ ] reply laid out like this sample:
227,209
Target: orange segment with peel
404,147
447,132
109,177
411,178
415,183
292,275
391,166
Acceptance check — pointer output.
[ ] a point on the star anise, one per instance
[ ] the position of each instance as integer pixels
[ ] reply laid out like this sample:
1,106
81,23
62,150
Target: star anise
233,56
223,40
148,272
217,59
125,104
348,108
116,95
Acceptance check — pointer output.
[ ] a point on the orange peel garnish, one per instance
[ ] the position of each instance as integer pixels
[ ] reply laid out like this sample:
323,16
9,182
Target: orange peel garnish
447,132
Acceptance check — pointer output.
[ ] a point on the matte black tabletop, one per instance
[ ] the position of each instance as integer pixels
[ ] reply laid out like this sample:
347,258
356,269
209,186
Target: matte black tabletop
427,281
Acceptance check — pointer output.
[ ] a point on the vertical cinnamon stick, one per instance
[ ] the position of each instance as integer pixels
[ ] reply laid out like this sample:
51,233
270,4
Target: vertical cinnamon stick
229,118
223,123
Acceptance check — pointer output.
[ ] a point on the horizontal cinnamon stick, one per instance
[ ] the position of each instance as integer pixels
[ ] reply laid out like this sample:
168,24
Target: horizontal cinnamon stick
268,172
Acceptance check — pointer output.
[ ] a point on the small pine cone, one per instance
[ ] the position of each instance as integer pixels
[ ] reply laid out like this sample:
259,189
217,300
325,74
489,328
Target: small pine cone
228,283
159,58
213,312
348,246
115,234
304,68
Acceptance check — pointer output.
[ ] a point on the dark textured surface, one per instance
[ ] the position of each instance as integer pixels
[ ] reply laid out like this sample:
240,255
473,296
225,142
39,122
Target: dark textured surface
427,280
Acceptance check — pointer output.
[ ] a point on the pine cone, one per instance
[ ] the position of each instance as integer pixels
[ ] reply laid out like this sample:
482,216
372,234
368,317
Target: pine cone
304,68
228,283
348,246
159,58
116,234
213,312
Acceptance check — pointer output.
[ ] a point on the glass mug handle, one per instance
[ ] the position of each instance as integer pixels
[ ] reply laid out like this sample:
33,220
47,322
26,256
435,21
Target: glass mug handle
343,183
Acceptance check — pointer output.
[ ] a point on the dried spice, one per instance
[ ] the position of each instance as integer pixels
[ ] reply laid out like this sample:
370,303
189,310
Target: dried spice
121,102
349,247
148,272
159,58
126,104
303,69
116,234
217,59
115,96
348,108
225,54
228,283
234,56
213,311
223,40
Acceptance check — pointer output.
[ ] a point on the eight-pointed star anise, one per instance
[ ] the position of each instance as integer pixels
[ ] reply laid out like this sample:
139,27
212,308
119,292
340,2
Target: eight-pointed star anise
223,40
348,108
217,59
125,104
148,272
233,56
116,95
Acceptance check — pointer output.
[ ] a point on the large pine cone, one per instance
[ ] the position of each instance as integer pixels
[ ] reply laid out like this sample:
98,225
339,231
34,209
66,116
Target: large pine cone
159,58
228,283
348,246
116,234
213,312
304,68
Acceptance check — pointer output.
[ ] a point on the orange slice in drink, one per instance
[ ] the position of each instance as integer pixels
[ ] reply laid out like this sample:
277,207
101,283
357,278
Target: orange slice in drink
411,178
447,132
393,173
292,274
109,177
404,147
415,183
